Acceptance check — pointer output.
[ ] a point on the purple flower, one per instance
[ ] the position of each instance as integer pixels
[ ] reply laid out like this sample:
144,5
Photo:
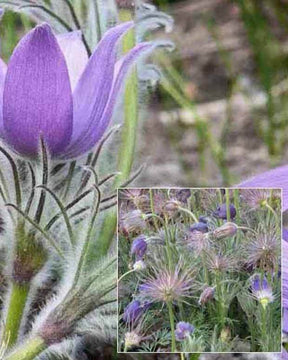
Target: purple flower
51,89
183,330
285,270
262,290
285,320
134,311
183,195
203,219
221,211
200,226
139,247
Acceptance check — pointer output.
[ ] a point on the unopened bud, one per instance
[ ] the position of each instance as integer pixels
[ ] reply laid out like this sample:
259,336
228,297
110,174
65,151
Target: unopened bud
206,295
171,206
225,334
228,229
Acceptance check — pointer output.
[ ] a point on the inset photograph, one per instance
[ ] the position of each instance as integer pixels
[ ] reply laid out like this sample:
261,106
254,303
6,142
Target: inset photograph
199,270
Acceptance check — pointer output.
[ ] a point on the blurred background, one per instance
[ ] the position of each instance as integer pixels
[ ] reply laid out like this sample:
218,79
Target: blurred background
219,114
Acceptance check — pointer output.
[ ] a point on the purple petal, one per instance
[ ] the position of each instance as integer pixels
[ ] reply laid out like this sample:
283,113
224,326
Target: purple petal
99,125
3,70
37,95
285,273
92,91
276,178
75,55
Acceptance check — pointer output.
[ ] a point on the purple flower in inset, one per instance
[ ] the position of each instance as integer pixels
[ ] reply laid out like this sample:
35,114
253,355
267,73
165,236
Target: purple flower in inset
221,211
183,195
139,247
262,290
134,311
200,226
204,219
183,330
51,89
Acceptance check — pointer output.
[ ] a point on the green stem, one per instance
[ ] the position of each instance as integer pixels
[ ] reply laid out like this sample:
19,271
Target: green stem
17,301
172,325
127,273
29,350
194,356
190,213
227,205
263,328
220,301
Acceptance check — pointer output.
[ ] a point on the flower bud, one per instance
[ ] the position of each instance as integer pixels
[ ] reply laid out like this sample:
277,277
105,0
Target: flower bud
225,334
171,207
206,295
228,229
183,330
200,226
139,247
183,195
221,211
134,310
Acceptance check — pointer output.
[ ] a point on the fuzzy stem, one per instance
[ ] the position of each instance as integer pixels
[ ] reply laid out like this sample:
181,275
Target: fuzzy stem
29,350
263,329
172,325
190,213
182,356
17,301
127,273
227,205
220,300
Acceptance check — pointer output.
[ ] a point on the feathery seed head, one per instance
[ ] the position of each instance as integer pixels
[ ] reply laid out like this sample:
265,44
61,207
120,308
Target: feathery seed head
263,251
167,285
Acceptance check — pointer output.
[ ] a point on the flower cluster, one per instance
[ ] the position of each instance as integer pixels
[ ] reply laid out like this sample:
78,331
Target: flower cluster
211,261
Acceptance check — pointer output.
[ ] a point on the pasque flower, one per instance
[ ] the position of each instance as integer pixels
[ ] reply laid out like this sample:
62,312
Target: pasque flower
221,211
134,310
139,247
183,330
262,290
51,89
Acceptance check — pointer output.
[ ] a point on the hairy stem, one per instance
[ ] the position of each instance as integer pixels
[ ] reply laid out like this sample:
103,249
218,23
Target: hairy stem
17,301
172,325
29,350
